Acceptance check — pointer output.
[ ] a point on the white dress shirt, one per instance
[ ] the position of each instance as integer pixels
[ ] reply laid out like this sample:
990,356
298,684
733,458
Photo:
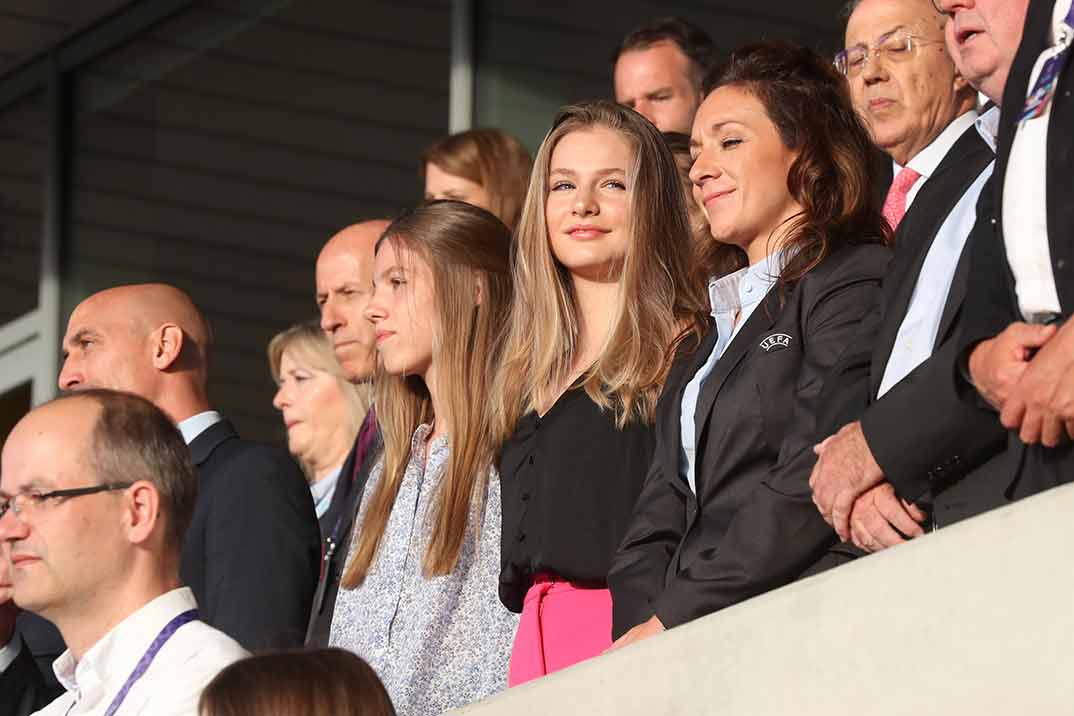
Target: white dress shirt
733,298
173,683
9,652
916,338
195,425
926,161
1025,193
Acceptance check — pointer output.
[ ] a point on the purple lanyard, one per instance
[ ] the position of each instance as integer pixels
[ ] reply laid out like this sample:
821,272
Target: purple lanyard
1044,88
143,664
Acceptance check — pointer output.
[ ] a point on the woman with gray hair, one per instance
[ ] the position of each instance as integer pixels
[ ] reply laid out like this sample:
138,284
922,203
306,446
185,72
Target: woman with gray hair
321,410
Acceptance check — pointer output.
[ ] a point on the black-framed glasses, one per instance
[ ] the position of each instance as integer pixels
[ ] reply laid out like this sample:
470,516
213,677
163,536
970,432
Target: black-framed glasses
30,501
895,46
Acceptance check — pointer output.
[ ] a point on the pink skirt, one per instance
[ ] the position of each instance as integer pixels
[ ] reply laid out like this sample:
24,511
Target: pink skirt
561,625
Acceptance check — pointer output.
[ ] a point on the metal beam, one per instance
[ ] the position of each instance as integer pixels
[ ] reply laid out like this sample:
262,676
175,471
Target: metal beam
106,34
463,36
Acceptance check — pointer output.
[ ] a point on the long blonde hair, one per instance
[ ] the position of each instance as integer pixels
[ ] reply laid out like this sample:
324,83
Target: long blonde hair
467,250
656,304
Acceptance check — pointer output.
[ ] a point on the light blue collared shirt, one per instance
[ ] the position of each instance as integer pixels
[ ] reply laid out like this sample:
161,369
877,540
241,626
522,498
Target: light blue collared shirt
323,490
916,338
738,294
195,425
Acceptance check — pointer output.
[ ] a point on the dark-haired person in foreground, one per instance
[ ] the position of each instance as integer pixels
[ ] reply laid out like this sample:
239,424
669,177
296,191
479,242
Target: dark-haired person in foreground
251,553
107,473
658,71
317,682
935,471
736,421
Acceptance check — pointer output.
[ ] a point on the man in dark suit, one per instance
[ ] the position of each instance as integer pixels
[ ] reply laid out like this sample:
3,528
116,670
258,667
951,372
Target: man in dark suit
344,286
1019,345
956,458
22,688
251,552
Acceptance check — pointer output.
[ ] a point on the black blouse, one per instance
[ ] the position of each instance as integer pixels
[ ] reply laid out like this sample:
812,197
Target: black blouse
569,482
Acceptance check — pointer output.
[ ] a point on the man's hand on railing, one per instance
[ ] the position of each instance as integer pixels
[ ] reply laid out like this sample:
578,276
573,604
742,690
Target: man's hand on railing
879,519
641,631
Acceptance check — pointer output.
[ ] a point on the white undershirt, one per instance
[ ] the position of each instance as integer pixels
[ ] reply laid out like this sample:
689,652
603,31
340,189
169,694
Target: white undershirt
1025,195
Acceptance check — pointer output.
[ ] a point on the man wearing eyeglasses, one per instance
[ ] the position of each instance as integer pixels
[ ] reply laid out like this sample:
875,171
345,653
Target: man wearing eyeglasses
96,492
888,474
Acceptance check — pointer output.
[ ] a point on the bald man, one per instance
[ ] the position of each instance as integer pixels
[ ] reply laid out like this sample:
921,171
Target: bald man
251,553
344,284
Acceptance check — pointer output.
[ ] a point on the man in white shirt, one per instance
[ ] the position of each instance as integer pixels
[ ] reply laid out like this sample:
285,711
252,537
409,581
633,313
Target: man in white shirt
251,553
1021,349
913,442
96,492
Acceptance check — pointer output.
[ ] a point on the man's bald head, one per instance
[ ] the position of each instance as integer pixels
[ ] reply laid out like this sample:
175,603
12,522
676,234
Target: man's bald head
148,339
344,285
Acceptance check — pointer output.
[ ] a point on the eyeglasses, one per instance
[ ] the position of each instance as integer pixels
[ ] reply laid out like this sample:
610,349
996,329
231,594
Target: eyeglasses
28,503
896,46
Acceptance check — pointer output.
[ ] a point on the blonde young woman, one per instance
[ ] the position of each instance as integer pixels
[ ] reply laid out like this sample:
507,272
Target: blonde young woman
419,595
321,410
485,167
602,299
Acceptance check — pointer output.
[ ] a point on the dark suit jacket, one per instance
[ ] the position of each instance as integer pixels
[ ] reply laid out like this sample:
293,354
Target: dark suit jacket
992,303
922,458
342,511
687,555
251,552
22,688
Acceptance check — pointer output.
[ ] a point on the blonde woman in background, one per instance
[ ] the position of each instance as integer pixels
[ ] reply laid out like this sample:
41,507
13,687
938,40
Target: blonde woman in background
484,167
321,410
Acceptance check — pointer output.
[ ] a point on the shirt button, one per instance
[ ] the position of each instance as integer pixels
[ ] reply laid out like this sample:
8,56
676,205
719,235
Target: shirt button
522,537
525,497
1061,264
749,288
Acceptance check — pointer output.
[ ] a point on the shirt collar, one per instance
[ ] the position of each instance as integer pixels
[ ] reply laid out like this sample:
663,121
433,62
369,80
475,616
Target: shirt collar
988,126
111,660
195,425
9,652
726,292
323,486
926,161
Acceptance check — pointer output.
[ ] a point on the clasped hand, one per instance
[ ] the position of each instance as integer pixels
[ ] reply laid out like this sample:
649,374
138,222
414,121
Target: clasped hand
1027,374
852,496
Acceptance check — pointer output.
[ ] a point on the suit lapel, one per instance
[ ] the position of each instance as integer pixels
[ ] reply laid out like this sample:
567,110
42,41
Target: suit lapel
682,372
759,321
203,445
962,164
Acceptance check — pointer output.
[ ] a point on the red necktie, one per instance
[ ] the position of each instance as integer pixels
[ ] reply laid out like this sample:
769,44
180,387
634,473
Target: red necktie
895,203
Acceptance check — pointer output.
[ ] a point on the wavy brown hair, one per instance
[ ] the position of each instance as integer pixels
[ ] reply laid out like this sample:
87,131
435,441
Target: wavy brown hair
657,304
491,158
467,250
832,177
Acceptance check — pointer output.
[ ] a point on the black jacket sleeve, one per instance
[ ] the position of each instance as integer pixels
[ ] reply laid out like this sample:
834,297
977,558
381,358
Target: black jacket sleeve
262,551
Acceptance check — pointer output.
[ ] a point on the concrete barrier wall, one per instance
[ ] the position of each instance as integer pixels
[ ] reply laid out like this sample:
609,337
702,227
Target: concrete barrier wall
974,619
